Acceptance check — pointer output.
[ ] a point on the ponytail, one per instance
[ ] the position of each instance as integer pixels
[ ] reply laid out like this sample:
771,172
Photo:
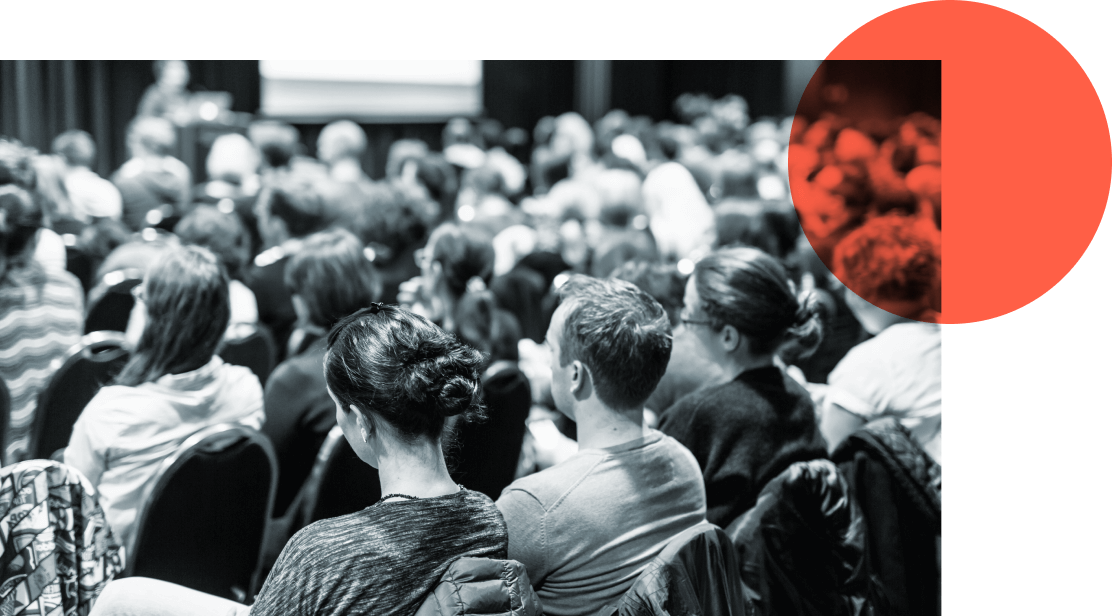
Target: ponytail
805,334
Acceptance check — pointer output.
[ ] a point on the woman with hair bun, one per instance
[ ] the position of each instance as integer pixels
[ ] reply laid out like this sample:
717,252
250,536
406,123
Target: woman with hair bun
741,309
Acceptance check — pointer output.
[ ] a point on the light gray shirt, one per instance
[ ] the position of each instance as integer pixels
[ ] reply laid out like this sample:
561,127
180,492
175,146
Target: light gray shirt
586,528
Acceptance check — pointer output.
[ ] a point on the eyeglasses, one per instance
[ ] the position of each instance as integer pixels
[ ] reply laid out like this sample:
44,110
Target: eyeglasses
139,293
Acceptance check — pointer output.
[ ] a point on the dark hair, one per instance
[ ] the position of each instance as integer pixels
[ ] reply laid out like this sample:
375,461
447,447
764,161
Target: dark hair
277,141
396,365
663,282
463,253
17,164
333,276
297,202
20,219
396,217
186,295
888,258
221,233
620,333
76,147
750,290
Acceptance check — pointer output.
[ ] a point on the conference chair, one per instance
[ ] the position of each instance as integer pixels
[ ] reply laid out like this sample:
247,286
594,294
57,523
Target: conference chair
253,347
91,363
340,483
487,457
5,410
110,302
203,520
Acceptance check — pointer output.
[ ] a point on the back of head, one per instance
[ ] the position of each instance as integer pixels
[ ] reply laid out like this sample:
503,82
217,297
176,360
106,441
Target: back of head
17,164
76,147
276,141
396,366
232,158
464,253
332,276
620,333
221,233
751,291
185,294
663,282
151,136
20,219
298,202
339,140
888,258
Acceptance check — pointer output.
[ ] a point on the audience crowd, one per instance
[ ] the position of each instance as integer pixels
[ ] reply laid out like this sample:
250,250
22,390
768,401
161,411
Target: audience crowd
675,328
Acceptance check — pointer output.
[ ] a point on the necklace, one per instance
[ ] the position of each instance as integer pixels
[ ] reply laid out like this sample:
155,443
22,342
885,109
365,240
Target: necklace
405,496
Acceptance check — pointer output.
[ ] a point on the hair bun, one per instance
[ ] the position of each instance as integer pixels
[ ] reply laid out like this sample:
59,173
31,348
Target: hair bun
457,396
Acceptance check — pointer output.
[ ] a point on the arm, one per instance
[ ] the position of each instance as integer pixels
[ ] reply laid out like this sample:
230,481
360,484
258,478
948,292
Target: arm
526,527
84,453
837,424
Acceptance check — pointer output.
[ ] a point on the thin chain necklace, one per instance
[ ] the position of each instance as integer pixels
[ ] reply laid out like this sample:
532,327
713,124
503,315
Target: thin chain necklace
405,496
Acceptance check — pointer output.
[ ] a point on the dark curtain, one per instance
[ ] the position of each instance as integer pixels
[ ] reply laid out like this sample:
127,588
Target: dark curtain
518,93
650,87
41,98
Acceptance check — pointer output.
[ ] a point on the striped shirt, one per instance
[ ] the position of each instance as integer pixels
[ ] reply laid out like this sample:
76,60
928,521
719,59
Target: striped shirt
383,560
38,326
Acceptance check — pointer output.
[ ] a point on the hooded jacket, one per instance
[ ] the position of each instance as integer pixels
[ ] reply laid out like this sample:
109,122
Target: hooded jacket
125,433
479,586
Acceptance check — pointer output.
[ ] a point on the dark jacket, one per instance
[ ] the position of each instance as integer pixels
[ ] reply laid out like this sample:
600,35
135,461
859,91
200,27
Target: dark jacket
899,489
488,452
802,546
695,575
478,586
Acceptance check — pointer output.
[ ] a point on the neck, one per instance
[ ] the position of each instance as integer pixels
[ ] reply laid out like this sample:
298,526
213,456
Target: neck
598,426
415,470
740,362
346,170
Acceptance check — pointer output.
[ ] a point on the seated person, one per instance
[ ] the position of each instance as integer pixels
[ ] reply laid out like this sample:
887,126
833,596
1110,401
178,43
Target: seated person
587,527
891,269
740,309
232,166
394,377
153,184
288,211
173,385
329,279
42,316
688,369
225,236
90,195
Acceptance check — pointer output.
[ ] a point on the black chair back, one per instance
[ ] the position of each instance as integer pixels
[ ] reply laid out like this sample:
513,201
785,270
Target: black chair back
340,482
91,364
80,265
488,452
110,302
203,521
5,410
254,348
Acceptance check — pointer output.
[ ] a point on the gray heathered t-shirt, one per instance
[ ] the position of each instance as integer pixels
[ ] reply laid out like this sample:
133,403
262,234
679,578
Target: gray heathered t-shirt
587,527
380,561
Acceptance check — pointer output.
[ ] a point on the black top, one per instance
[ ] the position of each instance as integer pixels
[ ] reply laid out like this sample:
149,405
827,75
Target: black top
274,299
383,560
299,414
744,433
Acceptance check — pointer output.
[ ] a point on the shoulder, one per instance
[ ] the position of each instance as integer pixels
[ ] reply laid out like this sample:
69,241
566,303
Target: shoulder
548,487
895,345
123,404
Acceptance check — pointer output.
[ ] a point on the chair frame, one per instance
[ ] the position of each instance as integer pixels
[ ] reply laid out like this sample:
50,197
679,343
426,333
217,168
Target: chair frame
82,349
108,282
306,500
228,433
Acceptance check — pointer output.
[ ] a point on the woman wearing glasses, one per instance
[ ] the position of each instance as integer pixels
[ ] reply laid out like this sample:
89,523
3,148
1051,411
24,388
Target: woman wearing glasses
394,378
741,309
173,385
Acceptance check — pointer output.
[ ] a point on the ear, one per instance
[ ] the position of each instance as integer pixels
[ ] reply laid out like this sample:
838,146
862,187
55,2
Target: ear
579,376
731,338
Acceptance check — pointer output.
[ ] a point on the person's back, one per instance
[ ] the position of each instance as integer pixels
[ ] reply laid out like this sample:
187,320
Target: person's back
587,527
41,316
599,518
382,560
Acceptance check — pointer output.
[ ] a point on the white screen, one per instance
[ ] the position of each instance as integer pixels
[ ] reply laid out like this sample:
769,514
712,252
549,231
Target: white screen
370,90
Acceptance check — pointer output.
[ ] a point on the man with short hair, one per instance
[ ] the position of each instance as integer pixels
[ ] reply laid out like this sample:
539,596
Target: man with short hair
154,185
287,211
586,528
92,196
